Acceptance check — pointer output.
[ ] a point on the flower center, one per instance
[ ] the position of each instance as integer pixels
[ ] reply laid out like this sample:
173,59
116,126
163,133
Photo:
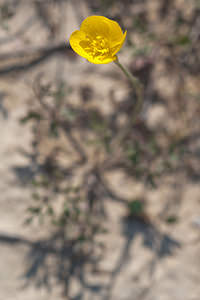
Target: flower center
97,46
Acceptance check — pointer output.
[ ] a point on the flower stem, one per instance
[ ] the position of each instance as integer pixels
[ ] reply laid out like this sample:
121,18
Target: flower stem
137,85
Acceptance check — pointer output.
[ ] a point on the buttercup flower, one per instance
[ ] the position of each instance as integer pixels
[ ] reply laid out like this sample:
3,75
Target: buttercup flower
98,40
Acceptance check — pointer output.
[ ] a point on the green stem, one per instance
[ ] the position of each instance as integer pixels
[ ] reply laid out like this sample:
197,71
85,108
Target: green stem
137,85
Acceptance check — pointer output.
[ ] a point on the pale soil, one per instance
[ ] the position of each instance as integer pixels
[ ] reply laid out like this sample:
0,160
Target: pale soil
157,262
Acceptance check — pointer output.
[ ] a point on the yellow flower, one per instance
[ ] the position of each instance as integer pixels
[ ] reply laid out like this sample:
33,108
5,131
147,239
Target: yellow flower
98,40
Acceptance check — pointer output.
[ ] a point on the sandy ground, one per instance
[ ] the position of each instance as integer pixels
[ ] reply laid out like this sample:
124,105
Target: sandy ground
157,262
140,262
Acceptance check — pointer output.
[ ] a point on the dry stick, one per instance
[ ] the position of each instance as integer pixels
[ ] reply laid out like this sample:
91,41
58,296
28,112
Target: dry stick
137,85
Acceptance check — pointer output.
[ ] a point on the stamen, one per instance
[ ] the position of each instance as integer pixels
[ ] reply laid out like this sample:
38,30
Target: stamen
96,47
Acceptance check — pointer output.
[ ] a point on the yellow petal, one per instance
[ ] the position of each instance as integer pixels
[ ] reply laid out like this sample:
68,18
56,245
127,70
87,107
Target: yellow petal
75,39
95,25
97,60
115,31
116,47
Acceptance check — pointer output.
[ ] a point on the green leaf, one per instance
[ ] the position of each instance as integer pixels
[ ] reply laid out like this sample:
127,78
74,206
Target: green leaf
134,154
50,211
182,40
151,180
36,196
60,93
172,219
136,207
53,129
28,221
34,210
66,212
32,115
